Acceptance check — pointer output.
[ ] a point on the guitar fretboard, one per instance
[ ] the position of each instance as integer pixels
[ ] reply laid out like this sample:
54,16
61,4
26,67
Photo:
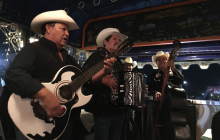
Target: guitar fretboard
80,80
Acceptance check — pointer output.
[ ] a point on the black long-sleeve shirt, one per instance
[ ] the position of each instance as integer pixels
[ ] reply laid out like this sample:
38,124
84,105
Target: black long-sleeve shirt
35,63
100,102
155,82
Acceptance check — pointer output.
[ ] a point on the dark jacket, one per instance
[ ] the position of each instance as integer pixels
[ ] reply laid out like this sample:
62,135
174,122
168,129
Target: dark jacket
155,82
100,102
35,63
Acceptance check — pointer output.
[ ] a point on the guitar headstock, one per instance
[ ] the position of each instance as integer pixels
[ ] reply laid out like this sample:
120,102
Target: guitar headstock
124,46
174,54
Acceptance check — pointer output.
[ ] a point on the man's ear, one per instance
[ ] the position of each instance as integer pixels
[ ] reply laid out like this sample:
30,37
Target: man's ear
48,28
105,42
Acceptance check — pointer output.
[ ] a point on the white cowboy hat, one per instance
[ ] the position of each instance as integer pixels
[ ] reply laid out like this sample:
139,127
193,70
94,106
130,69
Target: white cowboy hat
129,61
106,33
52,16
159,54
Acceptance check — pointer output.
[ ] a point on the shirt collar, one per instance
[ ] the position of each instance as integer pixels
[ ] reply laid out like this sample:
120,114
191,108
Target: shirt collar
51,44
103,50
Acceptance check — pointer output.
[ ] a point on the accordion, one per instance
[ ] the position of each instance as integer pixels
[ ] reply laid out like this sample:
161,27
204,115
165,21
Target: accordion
131,89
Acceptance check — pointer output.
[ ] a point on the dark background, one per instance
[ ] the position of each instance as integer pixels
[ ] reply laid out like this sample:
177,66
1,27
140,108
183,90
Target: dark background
182,22
197,79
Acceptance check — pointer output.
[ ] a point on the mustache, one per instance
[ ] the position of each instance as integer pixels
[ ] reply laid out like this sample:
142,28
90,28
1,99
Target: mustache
116,44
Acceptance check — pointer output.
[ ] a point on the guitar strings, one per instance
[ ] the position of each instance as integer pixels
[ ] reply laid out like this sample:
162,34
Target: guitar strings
84,77
76,83
80,80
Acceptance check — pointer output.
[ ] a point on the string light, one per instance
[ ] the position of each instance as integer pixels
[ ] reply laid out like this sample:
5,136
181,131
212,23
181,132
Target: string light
21,44
13,37
32,39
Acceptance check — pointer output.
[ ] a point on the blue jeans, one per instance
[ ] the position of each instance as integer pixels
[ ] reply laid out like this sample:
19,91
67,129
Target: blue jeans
108,127
133,122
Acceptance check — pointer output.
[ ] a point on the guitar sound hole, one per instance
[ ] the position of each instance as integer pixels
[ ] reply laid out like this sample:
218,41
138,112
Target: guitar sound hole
66,92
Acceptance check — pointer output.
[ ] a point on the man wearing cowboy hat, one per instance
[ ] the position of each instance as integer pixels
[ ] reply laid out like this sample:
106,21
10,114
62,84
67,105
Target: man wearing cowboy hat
129,64
133,117
40,61
108,119
129,131
155,84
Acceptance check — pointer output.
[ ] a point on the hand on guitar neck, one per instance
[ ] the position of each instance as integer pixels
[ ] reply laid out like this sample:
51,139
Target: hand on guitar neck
109,63
50,103
171,65
168,64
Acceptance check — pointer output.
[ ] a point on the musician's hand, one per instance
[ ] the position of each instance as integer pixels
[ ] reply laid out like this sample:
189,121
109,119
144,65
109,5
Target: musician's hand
50,102
157,96
110,82
171,65
52,106
109,64
107,68
146,88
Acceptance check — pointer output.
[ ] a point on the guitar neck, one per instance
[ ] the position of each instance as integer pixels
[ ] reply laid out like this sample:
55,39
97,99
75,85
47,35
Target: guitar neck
79,81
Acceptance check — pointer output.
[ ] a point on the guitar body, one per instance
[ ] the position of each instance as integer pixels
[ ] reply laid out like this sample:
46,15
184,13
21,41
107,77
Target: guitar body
30,117
22,113
178,114
177,129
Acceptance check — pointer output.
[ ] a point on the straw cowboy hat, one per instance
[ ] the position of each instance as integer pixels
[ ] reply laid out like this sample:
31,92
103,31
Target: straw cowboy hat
106,33
129,61
52,16
159,54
